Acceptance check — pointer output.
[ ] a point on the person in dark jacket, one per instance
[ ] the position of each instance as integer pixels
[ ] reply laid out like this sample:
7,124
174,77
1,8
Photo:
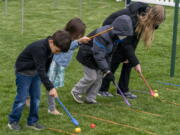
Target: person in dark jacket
31,69
145,20
95,58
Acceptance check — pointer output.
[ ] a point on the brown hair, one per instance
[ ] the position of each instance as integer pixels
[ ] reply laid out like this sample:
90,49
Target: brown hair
62,40
149,22
75,27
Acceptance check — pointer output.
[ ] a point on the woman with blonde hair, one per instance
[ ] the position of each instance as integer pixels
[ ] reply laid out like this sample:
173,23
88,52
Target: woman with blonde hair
145,20
149,22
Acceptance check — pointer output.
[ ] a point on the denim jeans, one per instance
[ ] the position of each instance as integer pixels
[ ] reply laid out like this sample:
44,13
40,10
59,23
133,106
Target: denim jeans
26,85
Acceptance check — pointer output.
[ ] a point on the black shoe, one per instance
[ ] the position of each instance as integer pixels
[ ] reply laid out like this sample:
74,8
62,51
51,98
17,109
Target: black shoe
130,95
14,126
91,101
77,97
36,126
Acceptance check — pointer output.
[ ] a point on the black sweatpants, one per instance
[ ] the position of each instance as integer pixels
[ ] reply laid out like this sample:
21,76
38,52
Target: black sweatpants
124,76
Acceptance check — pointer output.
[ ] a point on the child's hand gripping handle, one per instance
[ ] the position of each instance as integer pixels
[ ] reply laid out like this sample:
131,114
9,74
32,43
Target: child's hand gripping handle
53,93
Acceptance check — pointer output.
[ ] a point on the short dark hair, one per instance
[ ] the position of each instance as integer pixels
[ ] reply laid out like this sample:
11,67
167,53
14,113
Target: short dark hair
62,40
75,27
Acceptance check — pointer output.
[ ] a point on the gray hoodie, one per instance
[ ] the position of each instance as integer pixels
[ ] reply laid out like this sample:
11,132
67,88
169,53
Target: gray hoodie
97,53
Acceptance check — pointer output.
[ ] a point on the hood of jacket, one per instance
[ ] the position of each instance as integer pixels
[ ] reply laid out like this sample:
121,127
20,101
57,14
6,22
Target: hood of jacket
138,7
122,26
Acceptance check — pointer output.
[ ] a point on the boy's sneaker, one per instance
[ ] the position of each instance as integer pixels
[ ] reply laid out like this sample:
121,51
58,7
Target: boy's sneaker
91,101
14,126
77,97
101,93
108,94
36,126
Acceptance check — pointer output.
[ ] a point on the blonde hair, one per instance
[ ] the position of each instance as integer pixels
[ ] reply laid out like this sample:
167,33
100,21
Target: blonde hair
148,22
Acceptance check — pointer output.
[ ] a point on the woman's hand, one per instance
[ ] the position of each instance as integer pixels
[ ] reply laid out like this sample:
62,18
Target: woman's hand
138,68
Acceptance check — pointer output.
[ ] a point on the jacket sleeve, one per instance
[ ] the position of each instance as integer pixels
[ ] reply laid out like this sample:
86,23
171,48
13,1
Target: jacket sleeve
129,52
41,68
74,45
99,53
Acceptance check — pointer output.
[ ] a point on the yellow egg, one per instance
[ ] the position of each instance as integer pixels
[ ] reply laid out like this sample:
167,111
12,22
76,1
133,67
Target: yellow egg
155,91
156,95
77,130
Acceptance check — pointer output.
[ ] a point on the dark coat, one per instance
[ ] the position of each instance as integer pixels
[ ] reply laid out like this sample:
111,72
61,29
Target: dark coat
126,49
36,57
132,10
97,53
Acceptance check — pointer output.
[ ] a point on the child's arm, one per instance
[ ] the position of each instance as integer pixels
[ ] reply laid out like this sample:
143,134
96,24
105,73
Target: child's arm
41,68
75,43
84,40
99,53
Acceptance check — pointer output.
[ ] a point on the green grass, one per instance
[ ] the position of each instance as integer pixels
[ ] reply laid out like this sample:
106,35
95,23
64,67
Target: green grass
42,18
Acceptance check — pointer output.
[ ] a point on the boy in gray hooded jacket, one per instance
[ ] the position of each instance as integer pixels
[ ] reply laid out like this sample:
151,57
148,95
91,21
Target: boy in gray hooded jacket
95,58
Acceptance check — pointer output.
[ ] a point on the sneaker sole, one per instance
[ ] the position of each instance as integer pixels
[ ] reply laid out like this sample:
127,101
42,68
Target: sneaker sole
9,126
102,95
81,102
109,95
125,96
91,102
131,97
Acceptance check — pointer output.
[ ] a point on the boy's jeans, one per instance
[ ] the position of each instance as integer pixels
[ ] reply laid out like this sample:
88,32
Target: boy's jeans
26,85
